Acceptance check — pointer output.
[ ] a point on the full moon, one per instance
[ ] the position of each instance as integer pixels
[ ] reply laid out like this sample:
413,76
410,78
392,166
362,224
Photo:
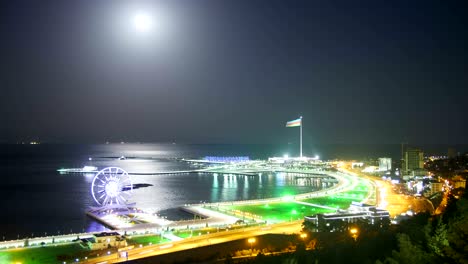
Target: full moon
142,22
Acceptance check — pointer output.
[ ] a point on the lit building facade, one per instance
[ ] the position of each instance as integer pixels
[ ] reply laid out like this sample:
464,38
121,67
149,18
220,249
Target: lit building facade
451,153
385,164
106,240
413,160
434,187
459,184
357,212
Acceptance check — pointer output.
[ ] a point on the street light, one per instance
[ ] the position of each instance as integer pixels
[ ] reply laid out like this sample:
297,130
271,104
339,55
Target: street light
251,241
354,233
303,236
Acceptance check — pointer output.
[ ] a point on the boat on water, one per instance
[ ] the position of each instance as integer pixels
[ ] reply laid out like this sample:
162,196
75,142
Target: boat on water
85,169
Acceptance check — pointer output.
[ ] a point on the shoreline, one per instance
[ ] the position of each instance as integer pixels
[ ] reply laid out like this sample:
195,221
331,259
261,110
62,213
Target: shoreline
215,217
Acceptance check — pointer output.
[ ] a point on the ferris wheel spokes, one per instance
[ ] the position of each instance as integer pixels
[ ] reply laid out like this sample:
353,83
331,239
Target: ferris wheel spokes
111,186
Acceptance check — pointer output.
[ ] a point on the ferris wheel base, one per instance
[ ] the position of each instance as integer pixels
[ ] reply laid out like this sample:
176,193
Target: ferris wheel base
128,207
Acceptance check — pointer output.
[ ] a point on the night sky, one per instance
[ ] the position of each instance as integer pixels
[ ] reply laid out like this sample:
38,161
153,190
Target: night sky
234,71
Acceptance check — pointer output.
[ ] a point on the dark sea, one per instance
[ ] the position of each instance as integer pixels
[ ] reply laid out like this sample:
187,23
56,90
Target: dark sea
35,199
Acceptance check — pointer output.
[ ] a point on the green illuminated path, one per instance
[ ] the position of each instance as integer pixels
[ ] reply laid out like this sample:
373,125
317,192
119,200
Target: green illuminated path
40,255
273,212
144,240
65,253
296,207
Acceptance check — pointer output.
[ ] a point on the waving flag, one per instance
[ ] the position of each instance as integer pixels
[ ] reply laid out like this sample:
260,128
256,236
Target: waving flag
294,123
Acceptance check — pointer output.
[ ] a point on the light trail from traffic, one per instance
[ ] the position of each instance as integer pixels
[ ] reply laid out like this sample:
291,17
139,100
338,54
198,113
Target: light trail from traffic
387,197
200,241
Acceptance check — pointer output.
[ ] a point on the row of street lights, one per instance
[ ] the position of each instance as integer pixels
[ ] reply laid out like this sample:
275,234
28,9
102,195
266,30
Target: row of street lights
252,240
354,232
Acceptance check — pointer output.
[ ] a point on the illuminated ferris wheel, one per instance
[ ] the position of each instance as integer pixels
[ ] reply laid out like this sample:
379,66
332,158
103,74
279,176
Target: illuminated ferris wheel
112,186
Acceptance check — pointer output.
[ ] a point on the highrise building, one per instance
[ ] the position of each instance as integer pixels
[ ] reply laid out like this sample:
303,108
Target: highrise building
385,164
451,153
434,187
413,160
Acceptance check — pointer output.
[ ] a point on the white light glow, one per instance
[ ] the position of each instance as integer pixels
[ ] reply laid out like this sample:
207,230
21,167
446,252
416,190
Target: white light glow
143,22
112,188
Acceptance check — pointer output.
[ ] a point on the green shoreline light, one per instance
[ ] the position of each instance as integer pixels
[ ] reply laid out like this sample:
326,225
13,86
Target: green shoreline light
284,209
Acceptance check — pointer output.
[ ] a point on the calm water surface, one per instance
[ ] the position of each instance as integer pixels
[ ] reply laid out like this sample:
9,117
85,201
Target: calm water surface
37,199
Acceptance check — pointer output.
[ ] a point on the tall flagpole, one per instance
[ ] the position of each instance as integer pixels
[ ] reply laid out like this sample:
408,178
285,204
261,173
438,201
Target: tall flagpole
301,138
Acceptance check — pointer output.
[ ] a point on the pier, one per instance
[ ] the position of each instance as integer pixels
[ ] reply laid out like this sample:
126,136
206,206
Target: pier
193,171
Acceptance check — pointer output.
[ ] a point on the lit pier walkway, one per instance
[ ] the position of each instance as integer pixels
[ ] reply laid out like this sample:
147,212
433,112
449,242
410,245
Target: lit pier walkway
194,171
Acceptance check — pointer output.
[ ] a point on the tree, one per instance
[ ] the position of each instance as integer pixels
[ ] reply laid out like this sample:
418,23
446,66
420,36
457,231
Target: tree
414,227
309,226
451,209
437,241
409,253
228,259
260,258
457,233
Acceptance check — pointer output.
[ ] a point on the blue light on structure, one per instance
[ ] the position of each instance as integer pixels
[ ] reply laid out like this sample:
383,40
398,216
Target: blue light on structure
226,159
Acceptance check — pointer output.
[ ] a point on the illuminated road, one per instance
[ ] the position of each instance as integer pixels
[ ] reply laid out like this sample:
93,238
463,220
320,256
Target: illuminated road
200,241
387,198
443,204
